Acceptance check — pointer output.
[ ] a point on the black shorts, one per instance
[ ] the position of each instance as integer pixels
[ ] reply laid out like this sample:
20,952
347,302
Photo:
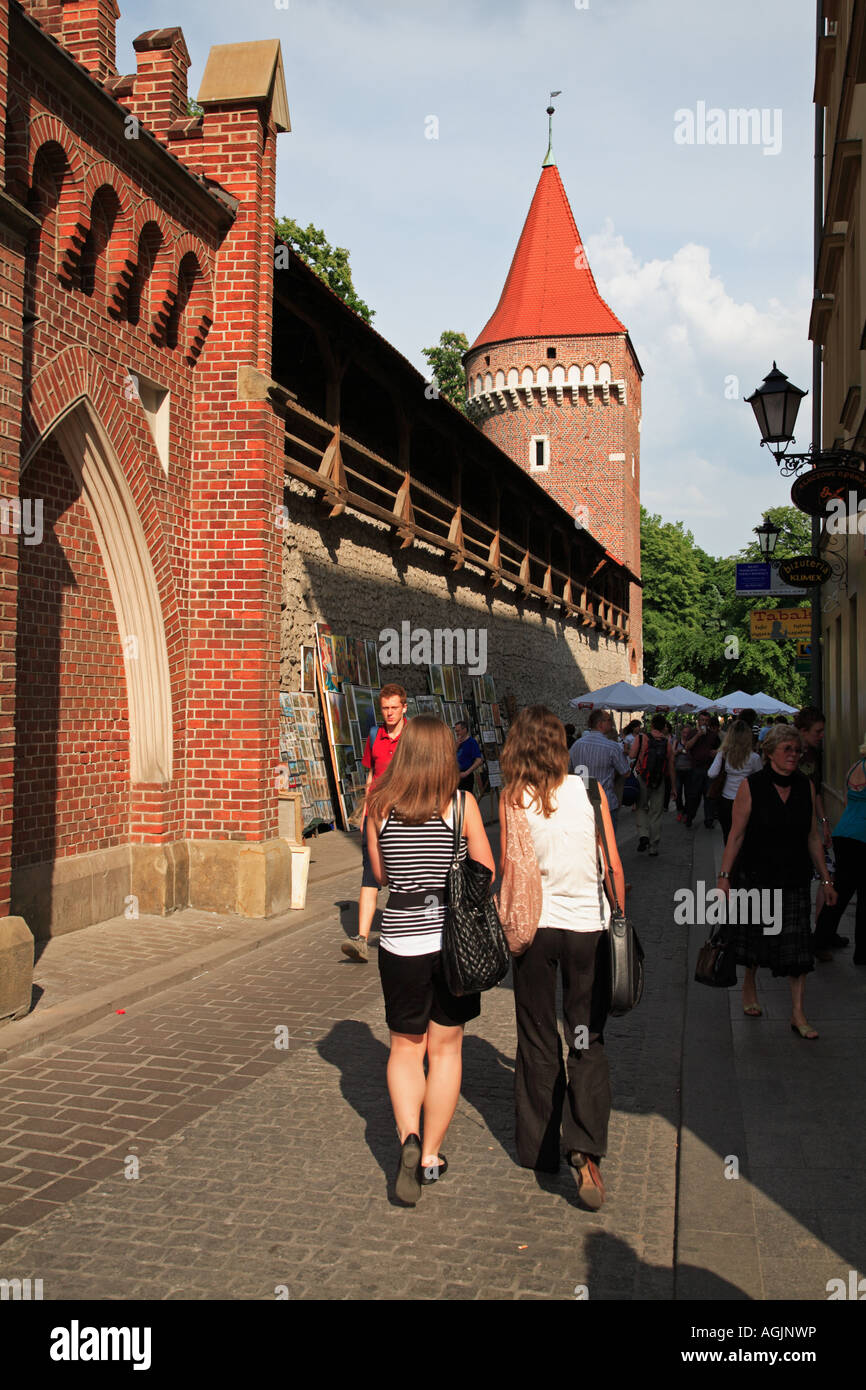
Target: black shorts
416,993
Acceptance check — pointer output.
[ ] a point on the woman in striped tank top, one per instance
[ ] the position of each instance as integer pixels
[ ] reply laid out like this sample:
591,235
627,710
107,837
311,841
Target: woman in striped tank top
410,838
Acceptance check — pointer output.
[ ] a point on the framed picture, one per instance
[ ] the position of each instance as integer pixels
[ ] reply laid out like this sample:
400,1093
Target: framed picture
489,689
285,702
373,665
357,740
345,762
308,669
341,728
341,657
327,659
452,683
497,714
437,682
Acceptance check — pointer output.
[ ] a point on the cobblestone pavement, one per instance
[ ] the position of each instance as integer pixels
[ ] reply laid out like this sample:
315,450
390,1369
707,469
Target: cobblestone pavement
260,1167
175,1152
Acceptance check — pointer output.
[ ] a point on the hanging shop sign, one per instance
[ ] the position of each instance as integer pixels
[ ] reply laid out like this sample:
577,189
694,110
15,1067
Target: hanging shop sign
763,578
815,491
804,569
781,624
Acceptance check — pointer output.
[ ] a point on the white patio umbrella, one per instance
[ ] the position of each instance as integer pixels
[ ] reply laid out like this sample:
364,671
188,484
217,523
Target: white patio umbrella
778,706
678,698
622,696
761,704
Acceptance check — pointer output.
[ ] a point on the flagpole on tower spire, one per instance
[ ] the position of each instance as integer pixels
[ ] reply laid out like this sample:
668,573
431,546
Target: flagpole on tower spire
549,159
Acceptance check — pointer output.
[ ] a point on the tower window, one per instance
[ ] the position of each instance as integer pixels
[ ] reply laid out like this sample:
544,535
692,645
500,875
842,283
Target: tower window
539,453
487,360
551,352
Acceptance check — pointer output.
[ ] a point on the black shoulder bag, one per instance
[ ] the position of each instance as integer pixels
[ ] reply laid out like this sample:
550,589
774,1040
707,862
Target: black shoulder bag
625,950
475,954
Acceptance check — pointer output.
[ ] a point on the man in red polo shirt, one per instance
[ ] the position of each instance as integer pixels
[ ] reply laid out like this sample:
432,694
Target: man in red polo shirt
378,752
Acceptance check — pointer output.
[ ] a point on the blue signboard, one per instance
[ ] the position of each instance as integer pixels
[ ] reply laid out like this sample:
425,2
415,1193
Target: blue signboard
753,579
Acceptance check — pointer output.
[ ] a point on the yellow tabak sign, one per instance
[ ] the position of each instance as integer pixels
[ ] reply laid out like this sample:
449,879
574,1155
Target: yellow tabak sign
781,624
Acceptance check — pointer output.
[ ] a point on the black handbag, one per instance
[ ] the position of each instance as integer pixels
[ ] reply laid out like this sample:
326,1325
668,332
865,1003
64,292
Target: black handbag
717,961
475,954
626,957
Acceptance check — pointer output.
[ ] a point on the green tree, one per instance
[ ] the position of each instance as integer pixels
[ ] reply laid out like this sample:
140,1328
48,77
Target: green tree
446,364
696,626
331,263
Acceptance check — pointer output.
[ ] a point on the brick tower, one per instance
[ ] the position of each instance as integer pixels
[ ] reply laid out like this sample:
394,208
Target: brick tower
554,381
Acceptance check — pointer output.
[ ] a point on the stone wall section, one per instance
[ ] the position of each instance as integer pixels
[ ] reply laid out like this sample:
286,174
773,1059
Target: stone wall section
350,573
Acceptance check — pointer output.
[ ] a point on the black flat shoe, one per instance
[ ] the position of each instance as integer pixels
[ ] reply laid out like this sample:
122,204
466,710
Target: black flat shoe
642,843
408,1183
434,1171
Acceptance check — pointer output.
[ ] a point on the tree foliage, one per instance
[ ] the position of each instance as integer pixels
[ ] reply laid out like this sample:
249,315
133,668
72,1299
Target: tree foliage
446,364
696,627
331,263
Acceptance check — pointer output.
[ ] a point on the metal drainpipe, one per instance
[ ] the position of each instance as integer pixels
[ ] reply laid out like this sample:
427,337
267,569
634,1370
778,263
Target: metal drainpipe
817,677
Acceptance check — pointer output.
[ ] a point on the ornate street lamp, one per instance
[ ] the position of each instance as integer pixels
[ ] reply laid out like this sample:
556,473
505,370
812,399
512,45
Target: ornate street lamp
767,535
776,404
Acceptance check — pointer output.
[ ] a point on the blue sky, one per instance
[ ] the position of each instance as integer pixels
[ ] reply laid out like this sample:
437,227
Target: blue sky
704,250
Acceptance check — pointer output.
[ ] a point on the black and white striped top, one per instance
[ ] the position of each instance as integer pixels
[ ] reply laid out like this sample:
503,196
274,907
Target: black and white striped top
416,859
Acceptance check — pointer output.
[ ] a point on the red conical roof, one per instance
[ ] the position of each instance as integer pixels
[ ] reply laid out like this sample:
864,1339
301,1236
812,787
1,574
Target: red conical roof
550,291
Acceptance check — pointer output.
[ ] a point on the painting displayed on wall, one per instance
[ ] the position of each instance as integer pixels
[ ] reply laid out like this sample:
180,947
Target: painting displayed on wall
437,682
366,710
363,664
341,727
328,673
308,670
373,665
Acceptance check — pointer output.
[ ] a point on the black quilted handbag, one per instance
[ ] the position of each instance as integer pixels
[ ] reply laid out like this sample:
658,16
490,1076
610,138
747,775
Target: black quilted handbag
475,954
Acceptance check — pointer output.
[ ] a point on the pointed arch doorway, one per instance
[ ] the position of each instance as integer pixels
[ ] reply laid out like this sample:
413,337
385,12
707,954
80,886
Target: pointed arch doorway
94,702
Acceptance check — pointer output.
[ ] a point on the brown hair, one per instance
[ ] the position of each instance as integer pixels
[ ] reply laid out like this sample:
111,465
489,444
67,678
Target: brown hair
389,691
535,756
421,778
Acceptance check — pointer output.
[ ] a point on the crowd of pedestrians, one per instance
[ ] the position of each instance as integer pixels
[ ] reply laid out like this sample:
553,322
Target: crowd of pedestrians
421,818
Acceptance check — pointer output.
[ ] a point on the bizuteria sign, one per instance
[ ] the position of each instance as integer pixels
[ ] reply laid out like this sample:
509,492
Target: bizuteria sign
804,569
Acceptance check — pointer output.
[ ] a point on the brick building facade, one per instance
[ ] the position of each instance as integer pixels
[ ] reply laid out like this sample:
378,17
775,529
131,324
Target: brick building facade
170,393
141,477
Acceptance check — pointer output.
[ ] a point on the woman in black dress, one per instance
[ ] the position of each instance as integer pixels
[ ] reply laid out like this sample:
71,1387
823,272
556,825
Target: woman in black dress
774,834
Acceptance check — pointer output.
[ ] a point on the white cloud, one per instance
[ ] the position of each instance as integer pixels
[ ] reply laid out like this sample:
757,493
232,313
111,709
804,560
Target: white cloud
701,460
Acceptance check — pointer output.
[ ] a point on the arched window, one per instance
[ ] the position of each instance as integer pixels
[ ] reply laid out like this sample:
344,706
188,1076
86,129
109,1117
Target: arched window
543,376
91,265
589,375
558,375
149,244
50,169
527,378
188,276
604,372
574,375
512,377
500,380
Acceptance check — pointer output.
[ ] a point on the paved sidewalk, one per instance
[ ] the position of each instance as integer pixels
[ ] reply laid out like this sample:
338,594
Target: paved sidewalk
87,975
176,1151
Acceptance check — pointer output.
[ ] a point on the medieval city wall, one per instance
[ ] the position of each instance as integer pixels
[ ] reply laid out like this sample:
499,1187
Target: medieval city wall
348,572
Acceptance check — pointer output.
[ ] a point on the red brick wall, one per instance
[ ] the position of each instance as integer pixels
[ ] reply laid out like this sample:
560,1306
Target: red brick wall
72,790
582,437
67,318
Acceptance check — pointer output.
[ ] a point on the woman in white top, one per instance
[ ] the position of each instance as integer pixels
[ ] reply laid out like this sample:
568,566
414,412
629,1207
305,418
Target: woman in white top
570,937
740,762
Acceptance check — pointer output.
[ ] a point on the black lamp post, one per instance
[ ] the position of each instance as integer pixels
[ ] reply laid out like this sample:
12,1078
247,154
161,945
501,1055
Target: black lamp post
776,403
767,535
